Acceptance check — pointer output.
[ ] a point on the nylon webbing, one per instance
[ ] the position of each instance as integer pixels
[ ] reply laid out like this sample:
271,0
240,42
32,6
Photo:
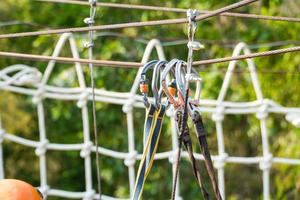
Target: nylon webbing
153,124
201,134
186,140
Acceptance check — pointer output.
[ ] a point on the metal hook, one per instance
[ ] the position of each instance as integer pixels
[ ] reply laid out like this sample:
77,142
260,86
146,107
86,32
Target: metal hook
144,87
181,83
191,15
155,91
164,86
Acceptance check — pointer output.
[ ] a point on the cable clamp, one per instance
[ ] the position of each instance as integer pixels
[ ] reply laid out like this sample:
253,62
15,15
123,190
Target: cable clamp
196,46
93,2
192,15
88,45
89,21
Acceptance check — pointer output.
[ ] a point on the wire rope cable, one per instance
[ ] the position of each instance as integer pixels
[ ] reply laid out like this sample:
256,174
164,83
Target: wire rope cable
89,45
178,10
129,25
124,64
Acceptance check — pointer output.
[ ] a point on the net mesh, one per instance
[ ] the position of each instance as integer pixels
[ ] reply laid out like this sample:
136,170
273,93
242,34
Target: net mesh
219,108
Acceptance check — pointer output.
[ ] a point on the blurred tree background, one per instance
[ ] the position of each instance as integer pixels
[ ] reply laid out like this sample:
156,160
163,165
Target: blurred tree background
279,77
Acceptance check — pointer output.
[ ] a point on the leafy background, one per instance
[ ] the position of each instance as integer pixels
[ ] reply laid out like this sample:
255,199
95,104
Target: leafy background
219,34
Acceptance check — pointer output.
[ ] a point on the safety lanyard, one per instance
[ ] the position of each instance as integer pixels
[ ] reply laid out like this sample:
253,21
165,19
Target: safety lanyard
201,135
185,139
153,125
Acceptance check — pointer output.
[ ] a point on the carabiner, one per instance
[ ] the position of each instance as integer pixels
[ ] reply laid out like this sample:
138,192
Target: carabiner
169,90
157,92
181,81
144,82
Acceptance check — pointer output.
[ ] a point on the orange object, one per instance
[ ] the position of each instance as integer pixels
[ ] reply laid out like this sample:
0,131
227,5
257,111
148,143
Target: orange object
11,189
172,90
144,88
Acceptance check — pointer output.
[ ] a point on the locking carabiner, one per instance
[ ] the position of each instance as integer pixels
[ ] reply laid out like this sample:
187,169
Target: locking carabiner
144,82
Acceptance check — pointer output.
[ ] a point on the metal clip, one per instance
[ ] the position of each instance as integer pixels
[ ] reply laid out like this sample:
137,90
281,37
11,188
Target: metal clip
93,2
89,21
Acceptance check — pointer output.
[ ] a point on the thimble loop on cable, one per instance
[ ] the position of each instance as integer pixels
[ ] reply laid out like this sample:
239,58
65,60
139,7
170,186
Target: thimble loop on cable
192,15
90,21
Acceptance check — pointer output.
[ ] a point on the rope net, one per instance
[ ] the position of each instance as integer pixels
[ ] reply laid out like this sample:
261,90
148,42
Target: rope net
219,108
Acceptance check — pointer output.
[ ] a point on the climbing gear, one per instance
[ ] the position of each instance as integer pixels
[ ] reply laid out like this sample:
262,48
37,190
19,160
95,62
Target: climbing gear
157,93
184,107
144,82
18,190
194,112
184,137
191,15
189,109
153,124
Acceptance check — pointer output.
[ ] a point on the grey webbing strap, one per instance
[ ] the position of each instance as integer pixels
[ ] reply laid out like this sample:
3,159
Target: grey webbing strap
201,134
185,139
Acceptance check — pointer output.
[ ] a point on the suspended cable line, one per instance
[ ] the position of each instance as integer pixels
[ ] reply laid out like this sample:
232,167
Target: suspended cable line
129,25
178,10
124,64
252,55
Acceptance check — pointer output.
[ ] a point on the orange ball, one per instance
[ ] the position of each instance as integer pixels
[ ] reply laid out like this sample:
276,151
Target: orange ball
11,189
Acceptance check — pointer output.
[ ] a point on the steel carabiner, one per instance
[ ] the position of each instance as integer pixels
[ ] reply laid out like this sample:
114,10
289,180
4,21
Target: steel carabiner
157,93
144,82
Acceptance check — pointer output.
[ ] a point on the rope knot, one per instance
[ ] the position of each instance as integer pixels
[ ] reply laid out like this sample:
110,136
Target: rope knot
89,195
39,95
44,190
130,160
218,116
42,148
84,96
266,162
263,110
173,157
128,107
86,149
221,161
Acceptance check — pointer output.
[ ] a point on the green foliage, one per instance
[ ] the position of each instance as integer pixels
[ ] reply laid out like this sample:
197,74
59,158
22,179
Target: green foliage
242,137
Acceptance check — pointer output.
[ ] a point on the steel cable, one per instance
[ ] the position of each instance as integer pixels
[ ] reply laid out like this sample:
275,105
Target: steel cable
178,10
124,64
128,25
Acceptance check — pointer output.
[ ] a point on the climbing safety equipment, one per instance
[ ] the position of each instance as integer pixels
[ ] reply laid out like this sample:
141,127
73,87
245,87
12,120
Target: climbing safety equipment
184,106
153,124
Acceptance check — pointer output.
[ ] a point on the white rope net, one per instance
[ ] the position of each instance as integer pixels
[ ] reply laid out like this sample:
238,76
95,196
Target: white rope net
24,75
